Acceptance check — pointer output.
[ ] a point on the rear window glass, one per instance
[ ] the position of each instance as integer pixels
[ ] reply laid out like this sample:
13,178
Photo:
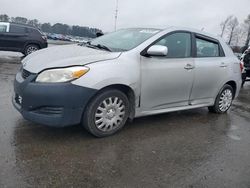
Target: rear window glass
17,29
207,48
3,28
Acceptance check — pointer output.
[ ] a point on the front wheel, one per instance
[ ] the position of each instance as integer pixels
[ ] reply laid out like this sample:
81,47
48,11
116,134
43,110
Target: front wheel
107,113
223,100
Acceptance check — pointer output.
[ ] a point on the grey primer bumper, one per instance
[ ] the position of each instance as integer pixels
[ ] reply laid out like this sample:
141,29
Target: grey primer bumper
58,105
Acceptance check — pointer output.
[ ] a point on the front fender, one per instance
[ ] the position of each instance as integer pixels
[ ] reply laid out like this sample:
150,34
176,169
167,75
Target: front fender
112,72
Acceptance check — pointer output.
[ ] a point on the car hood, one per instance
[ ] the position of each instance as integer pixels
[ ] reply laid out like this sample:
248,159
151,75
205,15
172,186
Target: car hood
63,56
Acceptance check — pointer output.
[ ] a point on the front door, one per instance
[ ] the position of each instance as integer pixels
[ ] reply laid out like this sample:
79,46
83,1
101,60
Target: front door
167,81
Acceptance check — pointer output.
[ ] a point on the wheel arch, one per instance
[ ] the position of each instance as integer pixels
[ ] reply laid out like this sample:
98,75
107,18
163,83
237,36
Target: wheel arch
31,43
233,85
127,90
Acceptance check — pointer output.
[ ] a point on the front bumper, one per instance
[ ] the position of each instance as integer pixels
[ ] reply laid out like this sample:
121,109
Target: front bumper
44,45
52,104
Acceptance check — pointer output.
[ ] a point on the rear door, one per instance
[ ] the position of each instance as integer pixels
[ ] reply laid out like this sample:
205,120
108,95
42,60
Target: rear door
211,68
4,29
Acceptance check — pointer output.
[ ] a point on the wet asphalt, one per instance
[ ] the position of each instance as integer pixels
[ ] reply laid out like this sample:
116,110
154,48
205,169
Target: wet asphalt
182,149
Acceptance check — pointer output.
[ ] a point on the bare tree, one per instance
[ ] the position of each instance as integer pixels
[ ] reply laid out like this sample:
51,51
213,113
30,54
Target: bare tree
232,25
224,24
34,23
19,19
237,37
247,22
4,18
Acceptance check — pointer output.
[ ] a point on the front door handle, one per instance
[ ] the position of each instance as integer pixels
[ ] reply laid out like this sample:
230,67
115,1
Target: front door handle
223,65
189,67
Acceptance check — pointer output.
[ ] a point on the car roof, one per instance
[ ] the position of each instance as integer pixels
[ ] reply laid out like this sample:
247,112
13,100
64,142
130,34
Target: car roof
20,24
200,32
4,23
176,28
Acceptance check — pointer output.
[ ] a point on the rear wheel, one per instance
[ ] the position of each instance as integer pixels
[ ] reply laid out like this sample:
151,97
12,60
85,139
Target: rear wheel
107,113
243,82
223,100
30,49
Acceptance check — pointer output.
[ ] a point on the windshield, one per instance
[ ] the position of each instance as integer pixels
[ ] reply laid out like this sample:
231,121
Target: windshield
125,39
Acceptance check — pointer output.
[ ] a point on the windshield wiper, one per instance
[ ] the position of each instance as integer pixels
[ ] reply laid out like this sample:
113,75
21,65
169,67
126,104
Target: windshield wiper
103,47
99,46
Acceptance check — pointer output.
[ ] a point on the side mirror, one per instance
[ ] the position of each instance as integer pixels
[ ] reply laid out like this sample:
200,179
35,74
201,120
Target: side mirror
157,50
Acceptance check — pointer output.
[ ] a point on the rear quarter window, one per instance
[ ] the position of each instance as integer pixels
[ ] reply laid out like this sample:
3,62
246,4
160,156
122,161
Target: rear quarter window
3,28
17,29
34,31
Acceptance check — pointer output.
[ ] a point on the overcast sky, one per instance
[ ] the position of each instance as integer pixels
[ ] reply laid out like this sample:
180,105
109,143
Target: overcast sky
132,13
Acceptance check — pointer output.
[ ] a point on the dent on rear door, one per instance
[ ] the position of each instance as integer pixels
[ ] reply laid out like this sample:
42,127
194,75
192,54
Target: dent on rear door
209,75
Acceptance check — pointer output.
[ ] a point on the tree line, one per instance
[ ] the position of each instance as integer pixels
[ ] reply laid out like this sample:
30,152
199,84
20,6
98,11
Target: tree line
236,33
58,28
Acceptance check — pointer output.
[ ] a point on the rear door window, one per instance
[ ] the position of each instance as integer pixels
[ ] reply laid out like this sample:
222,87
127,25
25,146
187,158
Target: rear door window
206,48
3,28
17,29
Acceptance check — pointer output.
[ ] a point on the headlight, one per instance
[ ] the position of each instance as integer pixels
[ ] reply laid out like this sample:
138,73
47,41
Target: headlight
61,74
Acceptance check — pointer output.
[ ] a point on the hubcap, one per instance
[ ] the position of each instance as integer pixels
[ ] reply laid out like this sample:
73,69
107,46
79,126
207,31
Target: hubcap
109,114
31,49
225,100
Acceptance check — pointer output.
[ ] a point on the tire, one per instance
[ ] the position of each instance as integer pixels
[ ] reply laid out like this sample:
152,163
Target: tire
223,100
243,82
107,113
244,76
30,49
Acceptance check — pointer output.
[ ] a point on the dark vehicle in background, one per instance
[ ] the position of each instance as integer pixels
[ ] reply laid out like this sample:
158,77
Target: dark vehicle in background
21,38
246,67
238,55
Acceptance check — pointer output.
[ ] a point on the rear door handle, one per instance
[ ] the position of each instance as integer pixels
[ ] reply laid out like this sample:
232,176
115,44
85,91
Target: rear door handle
223,65
189,67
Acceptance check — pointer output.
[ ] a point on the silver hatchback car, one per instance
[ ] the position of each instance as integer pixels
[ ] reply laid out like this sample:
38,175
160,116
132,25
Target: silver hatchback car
126,74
